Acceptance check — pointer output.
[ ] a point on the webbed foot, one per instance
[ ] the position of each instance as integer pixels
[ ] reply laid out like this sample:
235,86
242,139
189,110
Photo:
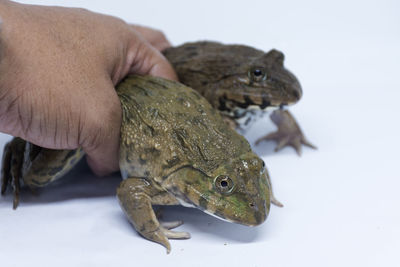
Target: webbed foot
288,133
163,233
11,172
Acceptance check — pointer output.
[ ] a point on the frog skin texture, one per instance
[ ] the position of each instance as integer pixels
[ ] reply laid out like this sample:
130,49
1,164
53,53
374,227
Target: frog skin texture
242,82
175,148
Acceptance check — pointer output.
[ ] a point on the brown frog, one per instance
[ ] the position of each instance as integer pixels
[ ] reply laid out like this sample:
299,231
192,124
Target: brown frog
242,82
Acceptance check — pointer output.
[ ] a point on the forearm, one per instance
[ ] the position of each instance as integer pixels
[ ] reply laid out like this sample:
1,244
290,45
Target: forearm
7,97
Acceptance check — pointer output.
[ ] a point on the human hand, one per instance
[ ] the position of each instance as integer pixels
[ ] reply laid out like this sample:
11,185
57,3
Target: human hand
58,69
155,37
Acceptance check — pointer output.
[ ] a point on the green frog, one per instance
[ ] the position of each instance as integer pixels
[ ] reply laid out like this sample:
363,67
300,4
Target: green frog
175,148
242,83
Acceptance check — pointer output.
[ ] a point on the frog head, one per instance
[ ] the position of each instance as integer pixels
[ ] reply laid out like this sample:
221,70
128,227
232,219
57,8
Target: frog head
281,87
234,78
262,83
237,191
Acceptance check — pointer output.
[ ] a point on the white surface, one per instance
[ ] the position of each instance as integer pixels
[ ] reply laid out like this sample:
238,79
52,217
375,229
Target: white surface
342,202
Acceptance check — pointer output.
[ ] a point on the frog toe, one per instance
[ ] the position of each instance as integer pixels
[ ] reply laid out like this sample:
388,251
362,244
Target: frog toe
167,226
296,144
270,136
171,225
16,171
163,234
276,202
159,237
288,133
281,139
282,143
6,169
175,235
305,142
12,168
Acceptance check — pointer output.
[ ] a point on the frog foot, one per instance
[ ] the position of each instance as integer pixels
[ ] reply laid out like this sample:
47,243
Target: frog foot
164,233
276,202
12,168
288,133
134,195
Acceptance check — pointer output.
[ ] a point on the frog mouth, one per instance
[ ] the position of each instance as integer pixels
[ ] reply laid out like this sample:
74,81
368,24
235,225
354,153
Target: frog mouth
246,103
229,104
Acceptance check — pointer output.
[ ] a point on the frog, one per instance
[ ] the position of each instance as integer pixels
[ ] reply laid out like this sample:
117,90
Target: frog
243,83
175,149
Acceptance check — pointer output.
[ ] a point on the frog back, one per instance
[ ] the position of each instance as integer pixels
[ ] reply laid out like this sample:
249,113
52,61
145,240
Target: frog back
167,125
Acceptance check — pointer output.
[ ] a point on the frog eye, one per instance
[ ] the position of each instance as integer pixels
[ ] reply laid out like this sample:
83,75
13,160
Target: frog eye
257,74
224,184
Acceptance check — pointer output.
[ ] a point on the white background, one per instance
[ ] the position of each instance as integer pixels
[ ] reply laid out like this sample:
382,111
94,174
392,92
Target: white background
342,202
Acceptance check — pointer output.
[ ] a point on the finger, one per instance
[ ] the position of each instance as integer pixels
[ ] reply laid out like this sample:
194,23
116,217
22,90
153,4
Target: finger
160,67
149,61
155,37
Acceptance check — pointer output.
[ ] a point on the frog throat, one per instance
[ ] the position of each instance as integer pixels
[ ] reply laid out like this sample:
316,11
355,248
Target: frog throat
246,117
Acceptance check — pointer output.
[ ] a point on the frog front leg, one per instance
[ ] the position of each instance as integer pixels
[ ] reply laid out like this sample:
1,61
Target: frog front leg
136,196
288,133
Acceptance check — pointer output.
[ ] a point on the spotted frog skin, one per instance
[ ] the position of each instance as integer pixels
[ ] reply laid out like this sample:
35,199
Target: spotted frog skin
175,148
242,82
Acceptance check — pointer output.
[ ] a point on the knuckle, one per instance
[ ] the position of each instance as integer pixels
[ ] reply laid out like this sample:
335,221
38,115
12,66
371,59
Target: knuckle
160,35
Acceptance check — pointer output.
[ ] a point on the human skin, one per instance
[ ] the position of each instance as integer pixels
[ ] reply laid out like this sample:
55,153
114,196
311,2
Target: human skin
58,69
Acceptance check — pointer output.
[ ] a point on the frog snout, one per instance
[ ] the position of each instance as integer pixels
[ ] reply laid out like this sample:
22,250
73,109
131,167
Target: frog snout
293,88
260,212
297,92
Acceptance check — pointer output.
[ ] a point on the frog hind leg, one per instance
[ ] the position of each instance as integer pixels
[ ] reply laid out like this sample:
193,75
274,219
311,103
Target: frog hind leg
6,168
135,197
11,173
288,133
34,166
